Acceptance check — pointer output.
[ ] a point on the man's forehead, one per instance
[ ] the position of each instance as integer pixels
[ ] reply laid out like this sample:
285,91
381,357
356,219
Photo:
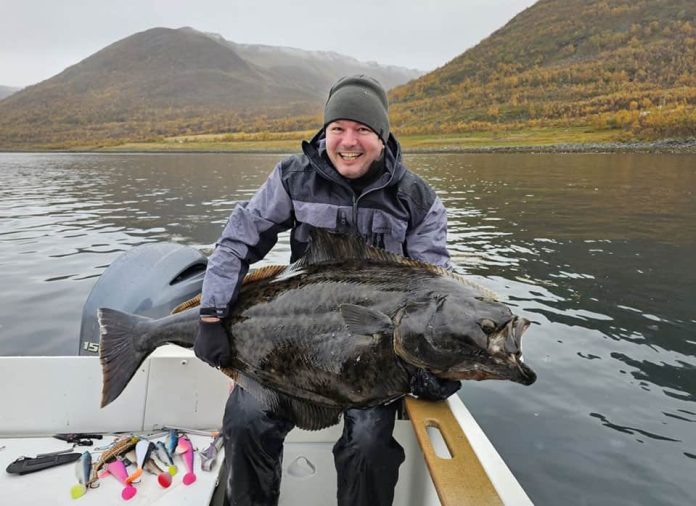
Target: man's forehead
348,122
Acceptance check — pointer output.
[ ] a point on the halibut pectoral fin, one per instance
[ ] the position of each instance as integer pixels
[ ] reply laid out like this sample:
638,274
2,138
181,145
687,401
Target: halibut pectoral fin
305,415
363,321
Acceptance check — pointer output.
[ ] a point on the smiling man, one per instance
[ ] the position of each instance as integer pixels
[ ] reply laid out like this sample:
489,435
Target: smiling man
349,179
354,145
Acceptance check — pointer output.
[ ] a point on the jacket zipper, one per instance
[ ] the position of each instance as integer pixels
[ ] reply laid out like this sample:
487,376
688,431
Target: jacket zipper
355,213
356,199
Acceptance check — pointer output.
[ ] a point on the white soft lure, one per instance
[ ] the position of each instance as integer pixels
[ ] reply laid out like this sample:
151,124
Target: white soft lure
143,449
83,469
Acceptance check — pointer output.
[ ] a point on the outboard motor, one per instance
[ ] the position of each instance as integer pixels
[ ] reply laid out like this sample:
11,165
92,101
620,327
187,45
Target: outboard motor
148,280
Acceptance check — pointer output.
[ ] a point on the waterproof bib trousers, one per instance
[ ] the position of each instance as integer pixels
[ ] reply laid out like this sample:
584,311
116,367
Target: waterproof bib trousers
367,457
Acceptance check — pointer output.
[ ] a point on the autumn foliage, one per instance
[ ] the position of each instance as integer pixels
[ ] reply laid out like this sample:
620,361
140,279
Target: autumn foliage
621,65
610,64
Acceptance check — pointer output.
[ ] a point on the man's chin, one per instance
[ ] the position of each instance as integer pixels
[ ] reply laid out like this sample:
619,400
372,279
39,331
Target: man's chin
351,171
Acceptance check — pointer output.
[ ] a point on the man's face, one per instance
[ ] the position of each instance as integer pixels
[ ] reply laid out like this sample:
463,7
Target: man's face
352,147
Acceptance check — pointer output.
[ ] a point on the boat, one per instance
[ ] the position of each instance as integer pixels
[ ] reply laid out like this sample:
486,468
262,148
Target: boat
43,396
449,459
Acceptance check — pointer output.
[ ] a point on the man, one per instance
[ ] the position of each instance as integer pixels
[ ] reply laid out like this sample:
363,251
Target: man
349,179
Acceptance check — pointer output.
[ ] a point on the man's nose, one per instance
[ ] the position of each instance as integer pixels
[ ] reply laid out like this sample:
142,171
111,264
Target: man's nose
349,138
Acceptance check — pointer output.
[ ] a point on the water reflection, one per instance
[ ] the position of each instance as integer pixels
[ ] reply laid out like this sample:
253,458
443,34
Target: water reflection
596,250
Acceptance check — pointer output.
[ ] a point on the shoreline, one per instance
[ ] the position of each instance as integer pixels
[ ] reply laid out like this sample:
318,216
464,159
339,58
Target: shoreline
666,146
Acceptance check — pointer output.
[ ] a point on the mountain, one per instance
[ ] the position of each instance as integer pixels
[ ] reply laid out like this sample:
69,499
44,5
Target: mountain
316,71
606,63
6,91
175,81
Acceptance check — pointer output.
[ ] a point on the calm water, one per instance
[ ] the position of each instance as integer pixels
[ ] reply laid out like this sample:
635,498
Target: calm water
598,250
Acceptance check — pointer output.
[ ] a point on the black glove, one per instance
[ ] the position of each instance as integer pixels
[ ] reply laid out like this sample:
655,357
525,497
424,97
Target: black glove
212,344
427,386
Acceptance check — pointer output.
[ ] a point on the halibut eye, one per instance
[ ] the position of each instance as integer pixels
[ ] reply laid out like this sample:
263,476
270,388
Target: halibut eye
487,326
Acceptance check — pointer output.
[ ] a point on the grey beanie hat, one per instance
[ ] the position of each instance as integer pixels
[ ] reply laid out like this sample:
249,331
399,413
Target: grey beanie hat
359,98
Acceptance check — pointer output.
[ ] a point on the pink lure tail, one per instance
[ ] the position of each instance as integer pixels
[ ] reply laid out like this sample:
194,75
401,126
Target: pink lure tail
118,470
186,449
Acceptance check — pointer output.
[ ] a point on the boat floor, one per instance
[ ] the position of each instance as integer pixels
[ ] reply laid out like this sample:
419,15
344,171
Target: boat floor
52,486
309,478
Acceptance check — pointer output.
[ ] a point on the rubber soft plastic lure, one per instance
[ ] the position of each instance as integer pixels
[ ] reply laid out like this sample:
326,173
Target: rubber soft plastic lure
209,455
143,448
117,469
164,457
171,442
163,477
83,470
186,449
117,448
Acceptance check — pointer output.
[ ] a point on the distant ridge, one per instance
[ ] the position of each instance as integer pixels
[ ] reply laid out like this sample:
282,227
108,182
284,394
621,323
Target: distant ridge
176,81
627,64
6,91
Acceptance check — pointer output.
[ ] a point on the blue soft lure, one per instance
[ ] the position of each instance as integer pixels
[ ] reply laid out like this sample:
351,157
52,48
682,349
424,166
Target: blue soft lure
83,470
172,442
163,456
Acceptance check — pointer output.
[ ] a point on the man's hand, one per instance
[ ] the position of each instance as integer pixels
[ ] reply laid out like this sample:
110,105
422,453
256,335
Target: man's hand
212,344
429,387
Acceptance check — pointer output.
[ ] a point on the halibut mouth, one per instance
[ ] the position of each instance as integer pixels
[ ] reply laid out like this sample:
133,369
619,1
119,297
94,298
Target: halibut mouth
513,344
506,351
501,360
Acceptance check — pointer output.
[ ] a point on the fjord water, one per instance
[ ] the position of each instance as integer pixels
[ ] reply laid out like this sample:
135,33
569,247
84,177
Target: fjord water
599,251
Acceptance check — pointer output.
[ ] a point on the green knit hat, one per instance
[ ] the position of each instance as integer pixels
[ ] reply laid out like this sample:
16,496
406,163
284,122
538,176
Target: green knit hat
359,98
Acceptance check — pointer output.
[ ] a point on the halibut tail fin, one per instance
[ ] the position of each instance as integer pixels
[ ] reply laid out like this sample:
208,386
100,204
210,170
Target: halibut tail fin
119,351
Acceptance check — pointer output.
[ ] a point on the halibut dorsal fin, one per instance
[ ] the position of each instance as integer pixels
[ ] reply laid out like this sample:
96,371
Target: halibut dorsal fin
261,273
329,248
326,247
252,276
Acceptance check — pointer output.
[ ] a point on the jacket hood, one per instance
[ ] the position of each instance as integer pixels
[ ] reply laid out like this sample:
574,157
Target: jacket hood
315,148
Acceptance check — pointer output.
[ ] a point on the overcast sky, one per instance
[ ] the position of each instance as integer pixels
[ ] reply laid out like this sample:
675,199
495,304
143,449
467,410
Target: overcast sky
39,38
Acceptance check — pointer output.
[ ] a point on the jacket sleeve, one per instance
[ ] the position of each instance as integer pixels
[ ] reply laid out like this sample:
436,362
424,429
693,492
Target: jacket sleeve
250,233
427,241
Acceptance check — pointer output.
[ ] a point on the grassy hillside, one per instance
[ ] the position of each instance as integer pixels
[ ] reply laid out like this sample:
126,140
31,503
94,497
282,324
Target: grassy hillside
610,64
164,82
586,70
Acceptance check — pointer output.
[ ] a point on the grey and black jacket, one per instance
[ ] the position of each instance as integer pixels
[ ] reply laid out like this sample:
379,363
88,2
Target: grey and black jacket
398,212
